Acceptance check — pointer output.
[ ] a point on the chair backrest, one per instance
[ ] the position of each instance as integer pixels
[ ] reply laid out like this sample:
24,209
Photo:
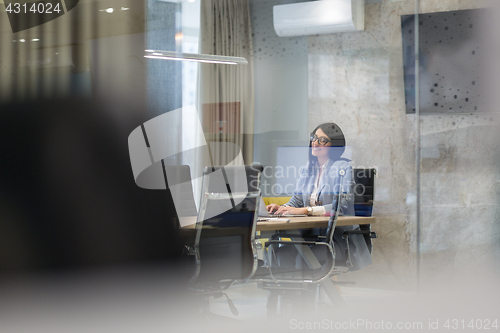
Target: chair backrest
332,223
364,180
179,184
225,231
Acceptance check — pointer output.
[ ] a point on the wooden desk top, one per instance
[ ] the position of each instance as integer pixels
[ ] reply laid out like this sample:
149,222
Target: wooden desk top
312,222
305,222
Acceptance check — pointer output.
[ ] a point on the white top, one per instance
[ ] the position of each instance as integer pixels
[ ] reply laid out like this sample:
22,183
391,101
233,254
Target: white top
317,210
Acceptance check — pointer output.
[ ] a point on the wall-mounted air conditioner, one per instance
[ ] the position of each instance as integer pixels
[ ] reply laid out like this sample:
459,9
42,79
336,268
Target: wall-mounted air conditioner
319,17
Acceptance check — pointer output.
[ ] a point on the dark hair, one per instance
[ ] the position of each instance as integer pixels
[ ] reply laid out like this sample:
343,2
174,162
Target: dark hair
335,134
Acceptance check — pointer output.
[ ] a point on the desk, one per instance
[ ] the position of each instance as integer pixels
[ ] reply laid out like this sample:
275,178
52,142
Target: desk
312,222
298,222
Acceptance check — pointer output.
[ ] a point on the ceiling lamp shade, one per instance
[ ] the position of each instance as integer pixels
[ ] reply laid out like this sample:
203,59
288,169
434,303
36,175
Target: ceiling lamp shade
206,58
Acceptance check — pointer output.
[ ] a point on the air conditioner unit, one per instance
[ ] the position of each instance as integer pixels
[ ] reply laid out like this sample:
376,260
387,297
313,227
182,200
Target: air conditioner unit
319,17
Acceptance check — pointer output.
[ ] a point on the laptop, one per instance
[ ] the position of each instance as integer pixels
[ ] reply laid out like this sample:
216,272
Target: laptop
264,213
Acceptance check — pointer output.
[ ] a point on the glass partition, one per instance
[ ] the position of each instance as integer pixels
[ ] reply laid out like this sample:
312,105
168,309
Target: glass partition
458,156
411,95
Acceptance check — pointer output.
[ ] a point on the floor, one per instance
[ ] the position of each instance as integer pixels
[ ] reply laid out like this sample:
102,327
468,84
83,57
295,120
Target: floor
250,300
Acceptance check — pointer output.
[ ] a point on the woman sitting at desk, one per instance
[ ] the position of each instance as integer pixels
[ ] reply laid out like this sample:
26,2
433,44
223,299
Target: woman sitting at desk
315,195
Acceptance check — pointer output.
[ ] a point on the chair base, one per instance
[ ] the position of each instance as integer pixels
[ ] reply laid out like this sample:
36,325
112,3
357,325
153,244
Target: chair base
289,302
288,299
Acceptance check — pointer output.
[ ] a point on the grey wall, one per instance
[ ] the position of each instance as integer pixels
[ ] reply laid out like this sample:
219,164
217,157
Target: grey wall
356,79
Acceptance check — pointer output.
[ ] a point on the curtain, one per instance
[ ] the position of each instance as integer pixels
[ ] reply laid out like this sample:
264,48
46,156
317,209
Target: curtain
226,92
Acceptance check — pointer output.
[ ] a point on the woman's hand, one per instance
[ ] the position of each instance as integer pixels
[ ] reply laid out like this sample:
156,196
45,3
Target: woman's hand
285,210
272,207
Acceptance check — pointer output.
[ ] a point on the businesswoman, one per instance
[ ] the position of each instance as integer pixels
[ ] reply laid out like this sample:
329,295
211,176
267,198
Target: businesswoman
315,195
320,177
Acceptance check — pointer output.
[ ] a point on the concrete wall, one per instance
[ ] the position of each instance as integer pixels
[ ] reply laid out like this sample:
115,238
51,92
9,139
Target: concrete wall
280,67
356,80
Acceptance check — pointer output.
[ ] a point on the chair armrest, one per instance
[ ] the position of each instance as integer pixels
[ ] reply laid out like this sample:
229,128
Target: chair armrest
287,235
372,234
316,275
293,242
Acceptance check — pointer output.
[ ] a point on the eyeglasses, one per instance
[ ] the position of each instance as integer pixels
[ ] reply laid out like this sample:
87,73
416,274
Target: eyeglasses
322,141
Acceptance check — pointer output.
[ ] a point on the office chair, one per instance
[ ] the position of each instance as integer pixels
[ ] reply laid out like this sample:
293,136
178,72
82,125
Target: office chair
225,247
290,281
362,189
179,184
364,180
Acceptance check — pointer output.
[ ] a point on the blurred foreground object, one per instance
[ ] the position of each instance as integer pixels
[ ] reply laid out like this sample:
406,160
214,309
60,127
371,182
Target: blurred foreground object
68,200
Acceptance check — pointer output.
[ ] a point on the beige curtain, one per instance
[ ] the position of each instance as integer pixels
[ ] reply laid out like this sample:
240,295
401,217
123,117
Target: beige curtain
226,92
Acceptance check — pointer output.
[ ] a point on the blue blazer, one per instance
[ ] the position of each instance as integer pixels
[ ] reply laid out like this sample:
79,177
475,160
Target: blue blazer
328,189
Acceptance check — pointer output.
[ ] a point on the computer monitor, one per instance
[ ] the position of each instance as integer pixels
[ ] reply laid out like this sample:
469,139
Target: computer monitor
290,160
